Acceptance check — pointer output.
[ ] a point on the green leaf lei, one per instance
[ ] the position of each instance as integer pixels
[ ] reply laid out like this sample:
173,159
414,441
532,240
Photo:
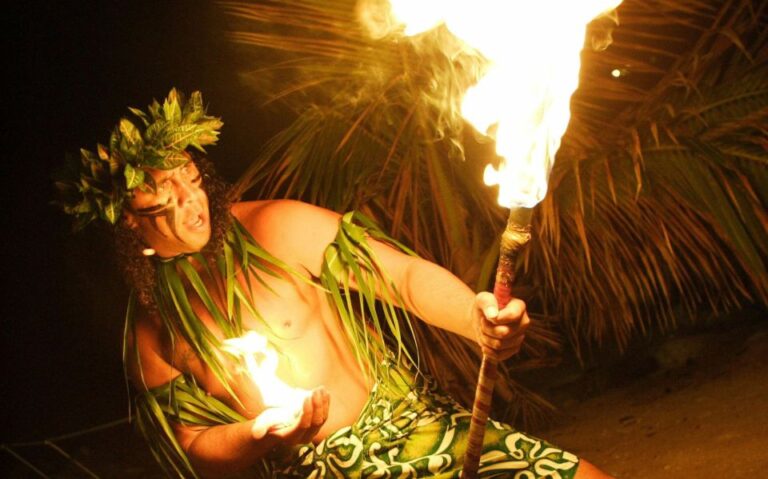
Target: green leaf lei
96,186
367,321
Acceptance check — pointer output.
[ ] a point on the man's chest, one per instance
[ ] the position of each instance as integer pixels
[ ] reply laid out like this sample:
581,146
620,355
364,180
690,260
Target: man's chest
292,315
283,309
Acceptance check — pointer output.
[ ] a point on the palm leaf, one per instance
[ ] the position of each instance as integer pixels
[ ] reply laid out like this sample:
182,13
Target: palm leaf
657,200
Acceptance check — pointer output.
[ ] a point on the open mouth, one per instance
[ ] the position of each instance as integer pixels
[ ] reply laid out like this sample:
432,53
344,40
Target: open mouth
196,222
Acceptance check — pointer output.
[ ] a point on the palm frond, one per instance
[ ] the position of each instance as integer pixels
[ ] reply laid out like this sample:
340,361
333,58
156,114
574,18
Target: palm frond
657,200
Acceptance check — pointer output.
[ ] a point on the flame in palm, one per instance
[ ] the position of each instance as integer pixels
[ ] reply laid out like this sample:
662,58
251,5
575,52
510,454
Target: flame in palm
261,362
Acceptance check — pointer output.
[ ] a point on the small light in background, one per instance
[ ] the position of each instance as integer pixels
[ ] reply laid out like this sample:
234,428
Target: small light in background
616,73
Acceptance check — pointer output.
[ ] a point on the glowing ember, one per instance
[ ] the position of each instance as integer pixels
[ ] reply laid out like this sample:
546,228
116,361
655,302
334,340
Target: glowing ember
534,53
261,363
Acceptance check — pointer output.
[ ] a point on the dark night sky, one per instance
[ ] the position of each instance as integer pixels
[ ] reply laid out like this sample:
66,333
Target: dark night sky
75,67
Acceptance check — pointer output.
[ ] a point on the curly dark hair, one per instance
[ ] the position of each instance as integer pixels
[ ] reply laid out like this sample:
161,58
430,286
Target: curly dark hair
139,270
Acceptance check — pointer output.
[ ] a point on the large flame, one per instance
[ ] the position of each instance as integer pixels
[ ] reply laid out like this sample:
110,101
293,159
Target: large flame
534,51
261,362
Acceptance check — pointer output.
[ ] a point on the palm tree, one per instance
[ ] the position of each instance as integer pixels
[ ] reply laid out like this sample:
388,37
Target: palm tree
656,207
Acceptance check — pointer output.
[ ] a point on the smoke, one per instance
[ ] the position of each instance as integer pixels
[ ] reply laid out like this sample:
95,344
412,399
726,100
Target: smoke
507,68
441,66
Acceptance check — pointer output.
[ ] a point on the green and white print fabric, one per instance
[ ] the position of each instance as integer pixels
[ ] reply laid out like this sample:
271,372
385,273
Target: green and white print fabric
406,432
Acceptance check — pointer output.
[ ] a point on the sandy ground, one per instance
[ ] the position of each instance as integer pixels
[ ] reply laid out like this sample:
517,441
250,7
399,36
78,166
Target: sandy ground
691,406
701,413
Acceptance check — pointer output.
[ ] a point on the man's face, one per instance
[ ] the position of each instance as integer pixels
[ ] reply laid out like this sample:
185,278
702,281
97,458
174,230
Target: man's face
173,219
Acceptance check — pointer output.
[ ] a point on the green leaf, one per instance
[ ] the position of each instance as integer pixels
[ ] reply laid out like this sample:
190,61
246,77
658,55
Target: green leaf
173,159
110,212
140,114
155,132
133,176
130,134
171,107
229,278
102,152
193,109
202,291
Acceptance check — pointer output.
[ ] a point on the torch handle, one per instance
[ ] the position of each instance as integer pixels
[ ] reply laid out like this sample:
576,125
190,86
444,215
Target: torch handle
515,236
481,408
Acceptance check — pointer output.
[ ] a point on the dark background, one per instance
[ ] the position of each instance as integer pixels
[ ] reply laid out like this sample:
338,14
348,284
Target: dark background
75,67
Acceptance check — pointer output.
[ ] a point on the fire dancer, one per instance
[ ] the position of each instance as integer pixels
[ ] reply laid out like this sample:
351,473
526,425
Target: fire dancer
205,270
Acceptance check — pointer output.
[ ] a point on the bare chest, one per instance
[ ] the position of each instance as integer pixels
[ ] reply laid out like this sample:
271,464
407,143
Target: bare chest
303,333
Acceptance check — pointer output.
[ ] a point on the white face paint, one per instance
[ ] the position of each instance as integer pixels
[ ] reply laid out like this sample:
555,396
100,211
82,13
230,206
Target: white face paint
174,218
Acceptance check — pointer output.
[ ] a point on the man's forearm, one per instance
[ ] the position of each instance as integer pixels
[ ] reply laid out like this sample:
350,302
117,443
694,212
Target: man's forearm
227,449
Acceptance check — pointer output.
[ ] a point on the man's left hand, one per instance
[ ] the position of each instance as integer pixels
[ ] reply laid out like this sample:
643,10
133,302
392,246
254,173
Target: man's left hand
499,333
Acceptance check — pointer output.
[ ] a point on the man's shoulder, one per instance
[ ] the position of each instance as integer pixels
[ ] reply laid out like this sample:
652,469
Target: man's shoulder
278,217
247,211
294,231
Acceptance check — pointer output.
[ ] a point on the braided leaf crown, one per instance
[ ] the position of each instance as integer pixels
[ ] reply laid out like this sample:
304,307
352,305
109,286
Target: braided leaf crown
97,185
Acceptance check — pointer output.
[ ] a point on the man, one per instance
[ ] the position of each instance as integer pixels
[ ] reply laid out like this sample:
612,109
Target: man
205,271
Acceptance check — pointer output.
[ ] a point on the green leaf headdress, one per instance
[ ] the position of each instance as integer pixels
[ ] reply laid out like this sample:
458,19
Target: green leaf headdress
98,184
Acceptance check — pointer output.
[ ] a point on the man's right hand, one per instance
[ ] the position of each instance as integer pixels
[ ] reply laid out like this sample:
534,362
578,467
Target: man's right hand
302,428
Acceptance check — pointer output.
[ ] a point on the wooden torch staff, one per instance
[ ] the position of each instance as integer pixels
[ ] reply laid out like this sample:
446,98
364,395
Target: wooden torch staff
515,236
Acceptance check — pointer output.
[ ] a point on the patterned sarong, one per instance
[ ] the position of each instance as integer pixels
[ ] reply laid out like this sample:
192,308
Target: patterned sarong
407,432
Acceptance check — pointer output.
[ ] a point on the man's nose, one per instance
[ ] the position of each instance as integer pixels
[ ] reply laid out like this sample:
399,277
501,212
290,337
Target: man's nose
184,192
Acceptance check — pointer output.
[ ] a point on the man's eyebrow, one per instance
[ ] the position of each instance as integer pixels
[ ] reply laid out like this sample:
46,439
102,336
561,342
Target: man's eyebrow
164,176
